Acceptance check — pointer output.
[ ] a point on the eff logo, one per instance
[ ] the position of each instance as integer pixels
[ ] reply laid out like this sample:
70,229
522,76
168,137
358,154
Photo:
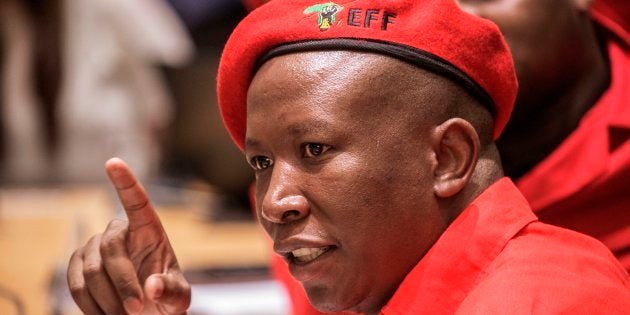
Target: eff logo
327,14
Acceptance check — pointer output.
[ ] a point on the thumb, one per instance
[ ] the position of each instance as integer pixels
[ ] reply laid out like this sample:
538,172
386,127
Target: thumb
169,291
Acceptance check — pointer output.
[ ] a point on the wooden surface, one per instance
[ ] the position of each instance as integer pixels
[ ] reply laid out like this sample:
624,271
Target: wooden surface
39,229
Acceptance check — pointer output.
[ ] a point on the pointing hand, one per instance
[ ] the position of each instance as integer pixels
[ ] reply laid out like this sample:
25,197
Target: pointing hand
131,267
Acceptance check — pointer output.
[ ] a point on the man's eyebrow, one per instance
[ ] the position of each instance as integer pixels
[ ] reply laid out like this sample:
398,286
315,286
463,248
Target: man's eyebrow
249,142
294,130
298,129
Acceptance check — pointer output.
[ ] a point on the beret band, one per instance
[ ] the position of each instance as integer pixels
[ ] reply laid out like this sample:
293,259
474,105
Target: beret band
420,58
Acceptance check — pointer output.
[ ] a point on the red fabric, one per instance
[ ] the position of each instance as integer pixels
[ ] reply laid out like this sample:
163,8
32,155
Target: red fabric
583,185
472,44
496,258
615,15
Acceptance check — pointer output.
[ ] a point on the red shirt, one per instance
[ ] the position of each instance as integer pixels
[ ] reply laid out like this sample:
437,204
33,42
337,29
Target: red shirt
497,258
584,185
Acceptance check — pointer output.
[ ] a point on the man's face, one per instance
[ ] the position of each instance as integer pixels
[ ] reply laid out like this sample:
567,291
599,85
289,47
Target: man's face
544,38
343,174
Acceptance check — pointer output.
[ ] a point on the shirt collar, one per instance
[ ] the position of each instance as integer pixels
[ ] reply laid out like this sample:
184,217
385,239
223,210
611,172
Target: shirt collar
614,16
617,93
443,278
608,15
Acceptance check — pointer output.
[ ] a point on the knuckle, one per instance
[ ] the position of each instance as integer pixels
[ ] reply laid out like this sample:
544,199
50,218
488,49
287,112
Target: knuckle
186,294
92,270
111,243
116,226
91,244
94,239
76,284
76,255
116,223
186,288
181,290
77,290
138,204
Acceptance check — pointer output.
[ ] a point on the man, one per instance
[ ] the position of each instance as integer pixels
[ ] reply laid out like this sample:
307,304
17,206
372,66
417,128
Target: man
566,144
377,176
567,141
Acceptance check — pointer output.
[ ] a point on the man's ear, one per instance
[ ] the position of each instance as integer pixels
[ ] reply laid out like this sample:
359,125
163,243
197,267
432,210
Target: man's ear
456,146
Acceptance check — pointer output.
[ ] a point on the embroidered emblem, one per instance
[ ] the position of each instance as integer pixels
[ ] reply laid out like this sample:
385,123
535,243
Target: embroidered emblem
327,13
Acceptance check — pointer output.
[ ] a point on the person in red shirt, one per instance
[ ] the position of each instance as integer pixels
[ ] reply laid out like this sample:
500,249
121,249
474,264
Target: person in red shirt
370,125
567,144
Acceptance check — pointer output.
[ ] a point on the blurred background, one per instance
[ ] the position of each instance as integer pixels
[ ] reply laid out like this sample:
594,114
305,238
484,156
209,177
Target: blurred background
85,80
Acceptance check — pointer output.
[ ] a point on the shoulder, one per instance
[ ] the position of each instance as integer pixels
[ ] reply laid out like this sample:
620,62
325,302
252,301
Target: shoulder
549,270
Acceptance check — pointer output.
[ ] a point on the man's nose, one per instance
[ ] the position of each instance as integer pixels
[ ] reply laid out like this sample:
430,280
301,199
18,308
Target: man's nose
284,202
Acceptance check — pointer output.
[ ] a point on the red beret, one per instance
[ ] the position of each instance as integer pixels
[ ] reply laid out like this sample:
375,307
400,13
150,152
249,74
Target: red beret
433,34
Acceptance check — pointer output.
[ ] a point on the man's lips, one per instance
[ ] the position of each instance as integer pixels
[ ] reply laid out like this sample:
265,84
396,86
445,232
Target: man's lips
309,258
302,252
306,255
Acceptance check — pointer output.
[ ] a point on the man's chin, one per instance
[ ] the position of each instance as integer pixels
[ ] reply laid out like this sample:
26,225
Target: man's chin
324,300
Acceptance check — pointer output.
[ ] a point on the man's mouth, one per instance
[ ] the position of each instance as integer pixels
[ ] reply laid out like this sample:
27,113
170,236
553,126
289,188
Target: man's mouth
306,255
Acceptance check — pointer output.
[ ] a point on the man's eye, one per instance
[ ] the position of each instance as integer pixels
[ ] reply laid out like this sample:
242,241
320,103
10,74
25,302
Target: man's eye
315,149
260,162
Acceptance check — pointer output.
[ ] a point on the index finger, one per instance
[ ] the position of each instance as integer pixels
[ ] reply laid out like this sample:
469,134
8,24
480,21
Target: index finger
132,195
